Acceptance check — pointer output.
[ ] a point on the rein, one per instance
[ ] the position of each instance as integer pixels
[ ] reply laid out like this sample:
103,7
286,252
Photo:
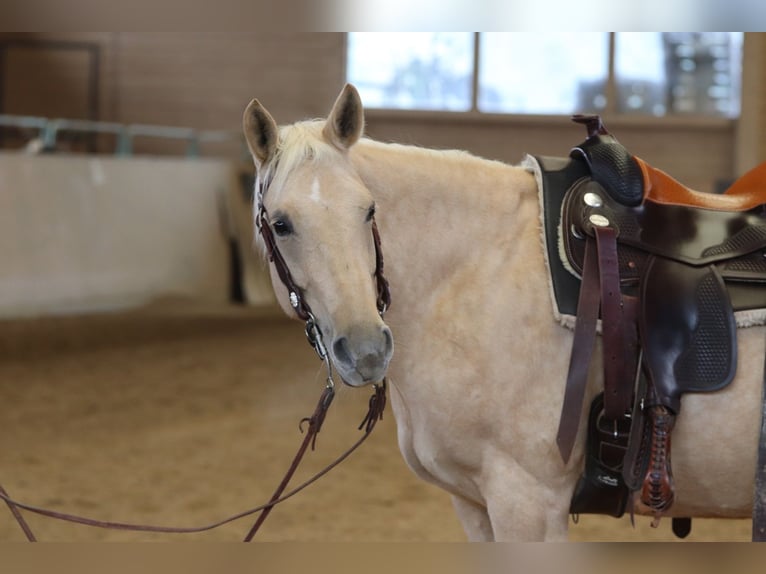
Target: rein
376,404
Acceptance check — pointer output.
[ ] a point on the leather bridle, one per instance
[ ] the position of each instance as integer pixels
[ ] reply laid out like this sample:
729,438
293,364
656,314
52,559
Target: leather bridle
376,404
295,293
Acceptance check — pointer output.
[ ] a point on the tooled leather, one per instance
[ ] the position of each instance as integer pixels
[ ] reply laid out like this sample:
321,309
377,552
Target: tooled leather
687,329
612,166
723,235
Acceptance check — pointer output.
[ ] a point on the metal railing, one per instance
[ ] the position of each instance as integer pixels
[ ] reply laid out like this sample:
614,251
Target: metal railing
49,129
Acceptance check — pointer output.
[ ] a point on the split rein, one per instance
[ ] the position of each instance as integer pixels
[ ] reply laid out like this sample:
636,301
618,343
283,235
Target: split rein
376,405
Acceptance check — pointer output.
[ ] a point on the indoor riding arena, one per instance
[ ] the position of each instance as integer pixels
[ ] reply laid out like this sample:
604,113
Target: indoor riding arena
148,375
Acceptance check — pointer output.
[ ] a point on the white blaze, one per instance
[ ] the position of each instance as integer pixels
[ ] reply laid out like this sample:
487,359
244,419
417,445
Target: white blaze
315,196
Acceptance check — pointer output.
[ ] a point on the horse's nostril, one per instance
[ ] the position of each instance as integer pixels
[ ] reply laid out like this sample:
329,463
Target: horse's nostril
341,350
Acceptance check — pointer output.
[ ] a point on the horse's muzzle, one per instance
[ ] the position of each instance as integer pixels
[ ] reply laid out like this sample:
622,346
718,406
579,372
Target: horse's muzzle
362,354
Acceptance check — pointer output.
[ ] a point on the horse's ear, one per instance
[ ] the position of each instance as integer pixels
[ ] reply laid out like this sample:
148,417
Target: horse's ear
260,132
345,123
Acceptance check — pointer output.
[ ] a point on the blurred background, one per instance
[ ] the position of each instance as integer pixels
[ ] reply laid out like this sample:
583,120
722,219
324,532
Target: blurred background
137,323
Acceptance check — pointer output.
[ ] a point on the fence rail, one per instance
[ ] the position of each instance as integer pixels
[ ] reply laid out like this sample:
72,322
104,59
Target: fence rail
49,129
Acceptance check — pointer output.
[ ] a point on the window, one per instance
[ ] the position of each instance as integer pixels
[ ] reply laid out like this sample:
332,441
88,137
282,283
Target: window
678,73
425,71
531,73
652,73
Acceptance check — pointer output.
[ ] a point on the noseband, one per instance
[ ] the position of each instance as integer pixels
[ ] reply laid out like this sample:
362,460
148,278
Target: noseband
297,298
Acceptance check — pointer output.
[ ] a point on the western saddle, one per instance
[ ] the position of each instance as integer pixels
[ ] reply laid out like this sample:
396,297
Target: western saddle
663,268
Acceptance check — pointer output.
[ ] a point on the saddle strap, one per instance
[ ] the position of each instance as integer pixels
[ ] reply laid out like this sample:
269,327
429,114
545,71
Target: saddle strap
759,500
615,328
600,287
582,350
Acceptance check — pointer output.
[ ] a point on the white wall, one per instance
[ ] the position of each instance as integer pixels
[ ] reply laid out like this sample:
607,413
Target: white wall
85,234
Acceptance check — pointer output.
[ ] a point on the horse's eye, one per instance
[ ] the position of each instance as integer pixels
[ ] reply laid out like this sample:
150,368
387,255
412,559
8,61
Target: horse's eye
370,213
282,227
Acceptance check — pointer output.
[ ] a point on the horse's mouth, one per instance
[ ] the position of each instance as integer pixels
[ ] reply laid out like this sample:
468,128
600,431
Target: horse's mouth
356,379
362,373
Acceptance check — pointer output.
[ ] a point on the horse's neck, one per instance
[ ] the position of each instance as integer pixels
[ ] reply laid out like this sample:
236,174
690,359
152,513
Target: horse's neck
460,238
438,210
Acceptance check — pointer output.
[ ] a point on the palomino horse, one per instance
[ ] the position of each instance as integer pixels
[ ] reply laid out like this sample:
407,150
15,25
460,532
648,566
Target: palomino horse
477,379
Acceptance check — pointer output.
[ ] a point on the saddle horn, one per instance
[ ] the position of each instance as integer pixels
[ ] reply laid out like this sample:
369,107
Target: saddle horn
611,166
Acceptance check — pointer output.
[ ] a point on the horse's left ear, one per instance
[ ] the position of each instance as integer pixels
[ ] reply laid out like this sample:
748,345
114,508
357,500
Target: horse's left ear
345,123
261,133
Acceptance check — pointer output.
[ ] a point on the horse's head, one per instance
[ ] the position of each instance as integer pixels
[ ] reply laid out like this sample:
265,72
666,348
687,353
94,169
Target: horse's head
318,217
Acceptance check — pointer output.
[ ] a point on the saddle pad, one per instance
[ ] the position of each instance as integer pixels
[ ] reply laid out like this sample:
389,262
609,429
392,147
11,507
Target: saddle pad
554,176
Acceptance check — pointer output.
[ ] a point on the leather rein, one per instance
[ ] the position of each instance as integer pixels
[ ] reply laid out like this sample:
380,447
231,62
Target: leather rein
376,405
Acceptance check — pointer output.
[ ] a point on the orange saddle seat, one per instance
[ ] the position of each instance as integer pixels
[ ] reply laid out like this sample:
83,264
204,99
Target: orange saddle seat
748,192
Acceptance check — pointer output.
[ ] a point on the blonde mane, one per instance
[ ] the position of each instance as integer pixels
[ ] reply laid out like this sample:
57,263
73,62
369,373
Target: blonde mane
303,141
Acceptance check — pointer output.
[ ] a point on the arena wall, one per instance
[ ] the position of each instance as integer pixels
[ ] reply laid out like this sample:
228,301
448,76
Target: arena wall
95,233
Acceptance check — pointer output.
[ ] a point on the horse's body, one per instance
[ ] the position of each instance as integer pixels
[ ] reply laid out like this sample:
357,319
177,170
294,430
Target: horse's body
477,378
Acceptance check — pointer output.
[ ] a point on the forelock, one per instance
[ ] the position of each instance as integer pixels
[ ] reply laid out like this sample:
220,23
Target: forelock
298,143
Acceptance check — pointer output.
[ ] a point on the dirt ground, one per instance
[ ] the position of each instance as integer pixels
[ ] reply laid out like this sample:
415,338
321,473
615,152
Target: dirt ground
183,417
